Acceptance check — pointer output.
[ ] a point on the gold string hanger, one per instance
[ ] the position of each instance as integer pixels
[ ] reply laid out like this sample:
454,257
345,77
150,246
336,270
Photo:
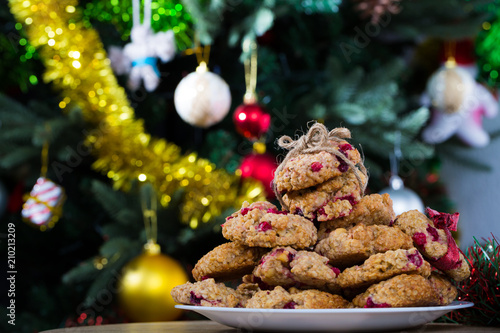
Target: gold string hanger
250,46
45,154
450,48
149,205
202,55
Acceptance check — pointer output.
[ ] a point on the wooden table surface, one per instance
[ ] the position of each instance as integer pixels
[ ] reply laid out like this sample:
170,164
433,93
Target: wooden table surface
206,326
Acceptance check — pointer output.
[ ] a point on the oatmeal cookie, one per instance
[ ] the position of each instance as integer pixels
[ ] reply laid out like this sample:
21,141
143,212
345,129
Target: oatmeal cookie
306,170
287,267
382,266
400,291
434,240
206,293
260,225
316,299
346,248
333,198
274,267
228,261
371,209
445,290
277,298
246,291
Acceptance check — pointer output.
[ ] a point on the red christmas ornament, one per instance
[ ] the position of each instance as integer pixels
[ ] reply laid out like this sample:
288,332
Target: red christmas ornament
251,120
260,167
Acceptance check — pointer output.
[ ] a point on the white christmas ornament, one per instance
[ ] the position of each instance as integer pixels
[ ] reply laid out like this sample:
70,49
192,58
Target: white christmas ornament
202,98
459,104
138,58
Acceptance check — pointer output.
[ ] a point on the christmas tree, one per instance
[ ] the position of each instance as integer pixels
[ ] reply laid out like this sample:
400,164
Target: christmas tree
116,142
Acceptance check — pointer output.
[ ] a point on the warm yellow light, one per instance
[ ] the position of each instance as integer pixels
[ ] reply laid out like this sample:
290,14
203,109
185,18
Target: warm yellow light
76,64
51,42
142,177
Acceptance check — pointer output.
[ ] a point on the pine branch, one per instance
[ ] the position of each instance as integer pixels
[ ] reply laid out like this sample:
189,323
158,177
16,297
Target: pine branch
111,272
114,203
18,156
208,17
14,113
314,6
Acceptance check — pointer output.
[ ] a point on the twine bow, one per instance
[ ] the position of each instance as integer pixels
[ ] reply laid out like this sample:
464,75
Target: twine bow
317,139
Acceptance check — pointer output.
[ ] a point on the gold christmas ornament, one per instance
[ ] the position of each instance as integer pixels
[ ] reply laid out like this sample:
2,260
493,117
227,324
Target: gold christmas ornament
146,282
77,65
145,285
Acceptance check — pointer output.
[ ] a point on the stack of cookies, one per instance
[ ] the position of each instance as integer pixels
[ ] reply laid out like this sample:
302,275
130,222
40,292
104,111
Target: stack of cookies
330,246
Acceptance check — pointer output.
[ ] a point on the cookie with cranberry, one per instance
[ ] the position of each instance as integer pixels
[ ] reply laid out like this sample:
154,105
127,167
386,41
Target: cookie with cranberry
445,290
274,267
246,291
278,298
228,261
260,225
400,291
287,267
317,299
371,209
382,266
331,199
206,293
346,248
307,170
433,238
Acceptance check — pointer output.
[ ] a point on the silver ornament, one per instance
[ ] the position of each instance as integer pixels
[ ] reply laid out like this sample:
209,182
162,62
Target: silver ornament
403,199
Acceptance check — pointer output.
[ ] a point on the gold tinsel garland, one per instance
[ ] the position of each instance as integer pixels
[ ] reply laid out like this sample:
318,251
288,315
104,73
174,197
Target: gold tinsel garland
77,65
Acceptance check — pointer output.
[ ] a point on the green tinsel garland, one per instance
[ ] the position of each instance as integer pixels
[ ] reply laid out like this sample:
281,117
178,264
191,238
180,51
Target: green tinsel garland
483,286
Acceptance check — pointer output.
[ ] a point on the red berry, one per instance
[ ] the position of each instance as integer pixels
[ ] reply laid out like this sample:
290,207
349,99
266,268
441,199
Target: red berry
316,166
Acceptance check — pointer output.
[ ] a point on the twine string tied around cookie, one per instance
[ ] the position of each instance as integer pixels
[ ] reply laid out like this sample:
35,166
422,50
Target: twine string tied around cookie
317,139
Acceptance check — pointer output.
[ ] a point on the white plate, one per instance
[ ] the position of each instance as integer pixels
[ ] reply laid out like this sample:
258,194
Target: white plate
320,320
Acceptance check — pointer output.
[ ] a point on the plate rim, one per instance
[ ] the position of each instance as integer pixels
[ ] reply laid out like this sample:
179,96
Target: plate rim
455,305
